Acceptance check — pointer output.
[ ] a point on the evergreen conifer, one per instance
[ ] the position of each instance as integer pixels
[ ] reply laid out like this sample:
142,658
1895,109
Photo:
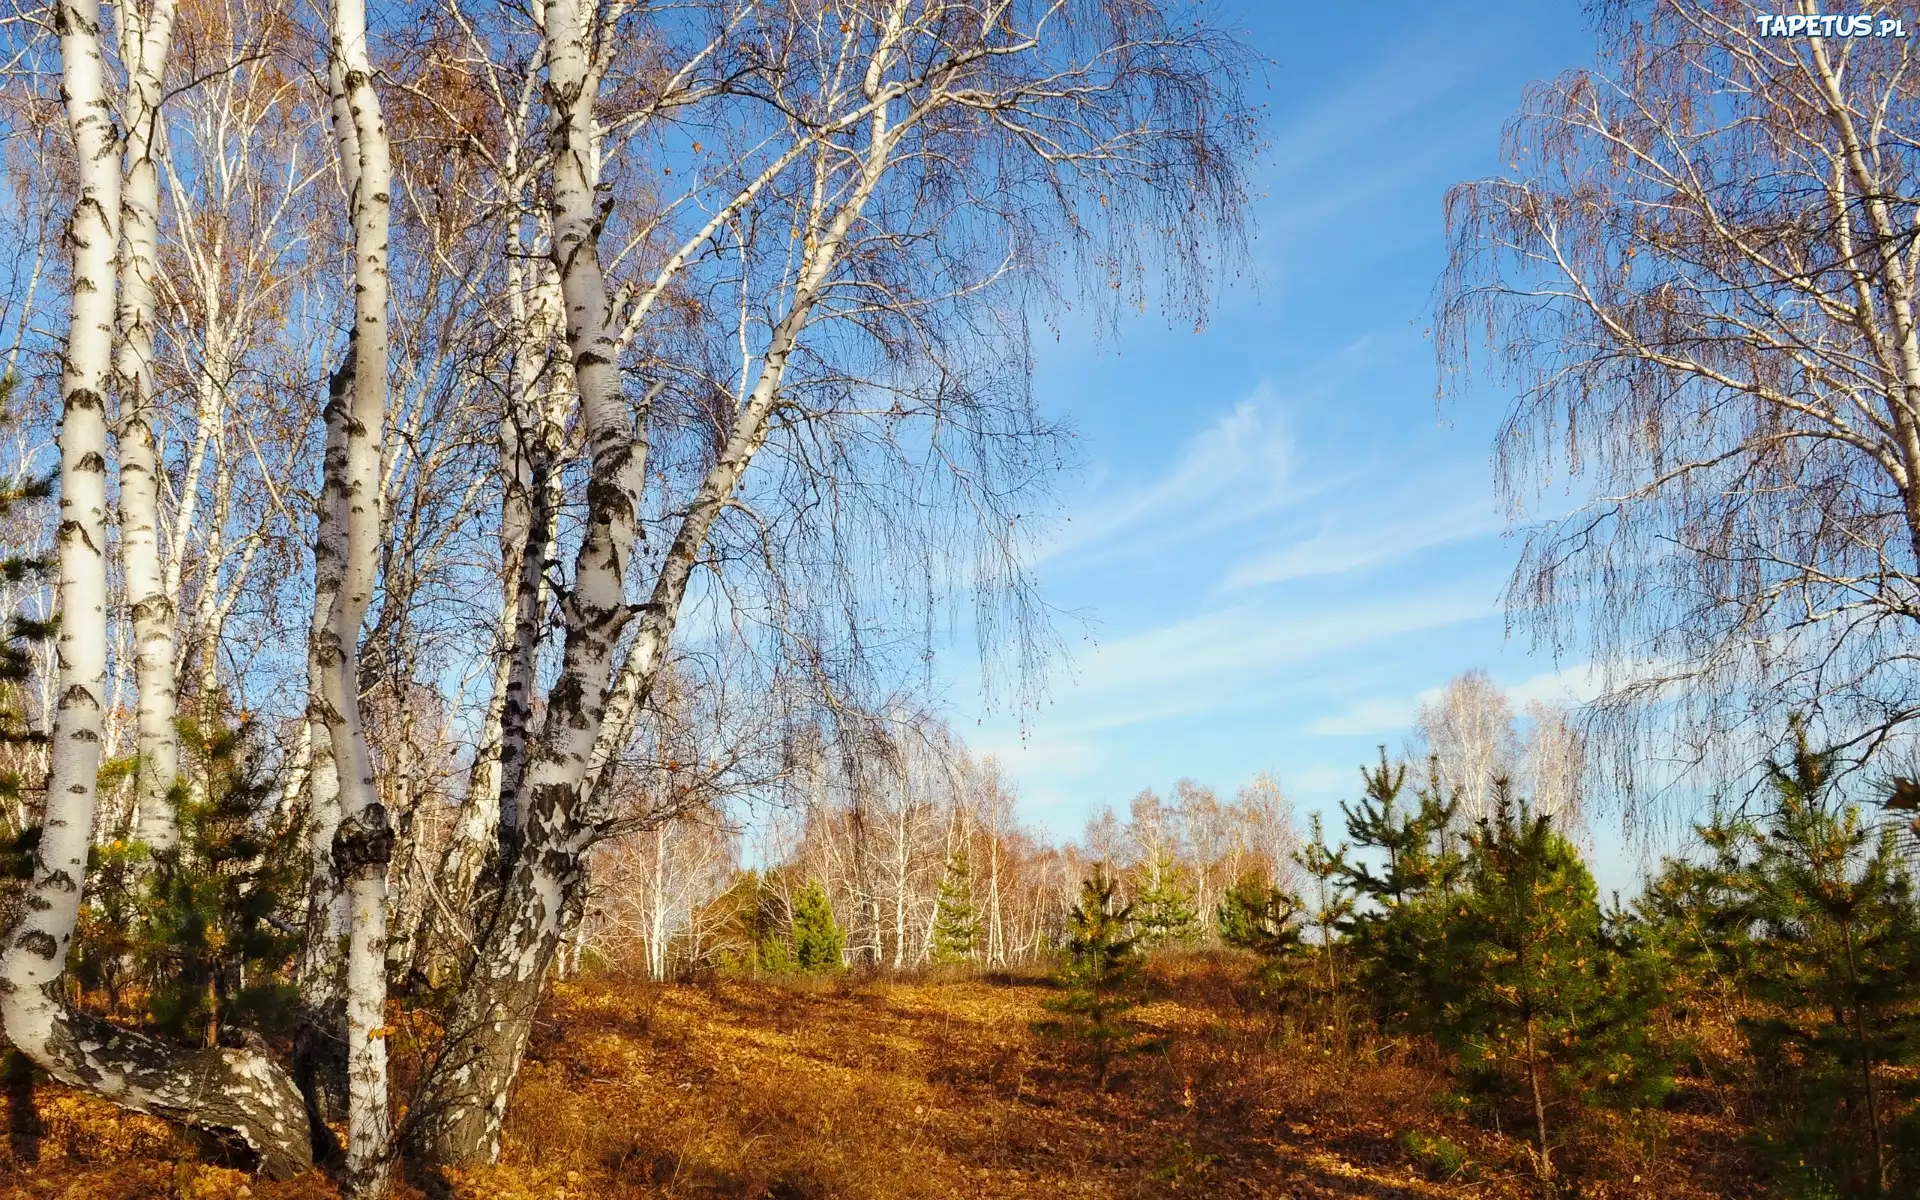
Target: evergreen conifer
1836,960
1163,912
818,944
1330,907
1254,915
1099,975
1537,1008
956,927
213,942
1395,941
1697,920
1412,841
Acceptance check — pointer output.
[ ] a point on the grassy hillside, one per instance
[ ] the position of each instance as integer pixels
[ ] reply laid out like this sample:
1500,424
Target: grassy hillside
912,1089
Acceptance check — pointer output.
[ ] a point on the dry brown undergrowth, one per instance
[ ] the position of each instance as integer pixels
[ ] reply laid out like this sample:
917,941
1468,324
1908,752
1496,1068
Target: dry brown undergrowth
911,1089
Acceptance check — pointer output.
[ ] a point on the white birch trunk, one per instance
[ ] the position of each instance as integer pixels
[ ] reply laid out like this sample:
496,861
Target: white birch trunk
320,1055
484,825
464,1099
146,38
230,1089
363,843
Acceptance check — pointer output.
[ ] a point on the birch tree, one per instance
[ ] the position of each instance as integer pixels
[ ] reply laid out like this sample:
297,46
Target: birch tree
362,843
1265,816
1468,730
146,38
1078,123
1699,273
241,301
235,1090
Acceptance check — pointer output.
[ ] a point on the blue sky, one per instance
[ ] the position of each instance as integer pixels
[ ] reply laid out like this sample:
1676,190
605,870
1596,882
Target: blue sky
1283,541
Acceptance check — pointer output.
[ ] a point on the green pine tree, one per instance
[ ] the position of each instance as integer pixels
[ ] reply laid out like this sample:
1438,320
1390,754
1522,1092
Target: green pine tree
1163,911
1413,843
1540,1008
956,927
818,944
1396,938
213,943
1697,920
1330,906
1100,977
1836,961
1256,916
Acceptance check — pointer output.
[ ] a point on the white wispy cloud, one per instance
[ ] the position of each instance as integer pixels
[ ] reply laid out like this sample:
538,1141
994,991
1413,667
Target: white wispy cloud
1377,715
1241,467
1343,545
1575,684
1234,658
1052,757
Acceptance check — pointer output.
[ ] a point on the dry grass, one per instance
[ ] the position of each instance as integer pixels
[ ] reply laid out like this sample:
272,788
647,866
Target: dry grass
917,1088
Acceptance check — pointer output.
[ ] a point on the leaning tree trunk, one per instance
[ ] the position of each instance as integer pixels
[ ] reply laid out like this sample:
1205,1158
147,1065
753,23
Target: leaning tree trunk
363,842
232,1090
458,1118
145,41
463,1098
474,844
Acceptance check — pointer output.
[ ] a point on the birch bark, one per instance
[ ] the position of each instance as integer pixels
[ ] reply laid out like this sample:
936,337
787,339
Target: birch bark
363,842
230,1089
525,523
1108,111
464,1098
464,1101
146,38
320,1049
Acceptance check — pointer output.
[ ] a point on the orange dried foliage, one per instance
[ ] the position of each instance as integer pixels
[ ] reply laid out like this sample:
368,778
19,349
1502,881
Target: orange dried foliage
927,1087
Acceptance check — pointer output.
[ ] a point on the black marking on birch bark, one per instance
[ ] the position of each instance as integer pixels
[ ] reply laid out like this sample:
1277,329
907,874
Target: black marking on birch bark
363,840
39,941
57,878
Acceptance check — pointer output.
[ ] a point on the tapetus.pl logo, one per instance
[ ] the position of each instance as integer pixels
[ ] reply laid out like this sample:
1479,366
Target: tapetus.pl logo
1831,25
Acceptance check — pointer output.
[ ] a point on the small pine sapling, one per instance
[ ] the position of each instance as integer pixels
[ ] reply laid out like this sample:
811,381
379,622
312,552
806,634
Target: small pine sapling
1417,860
1100,977
818,944
215,944
956,926
1258,917
1395,938
1837,964
1163,913
1539,1010
1330,907
1254,915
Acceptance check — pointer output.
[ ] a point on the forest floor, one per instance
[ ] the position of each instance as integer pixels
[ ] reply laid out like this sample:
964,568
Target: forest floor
889,1088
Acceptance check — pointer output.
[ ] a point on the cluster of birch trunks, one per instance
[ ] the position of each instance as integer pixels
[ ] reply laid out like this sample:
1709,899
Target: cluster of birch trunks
421,371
